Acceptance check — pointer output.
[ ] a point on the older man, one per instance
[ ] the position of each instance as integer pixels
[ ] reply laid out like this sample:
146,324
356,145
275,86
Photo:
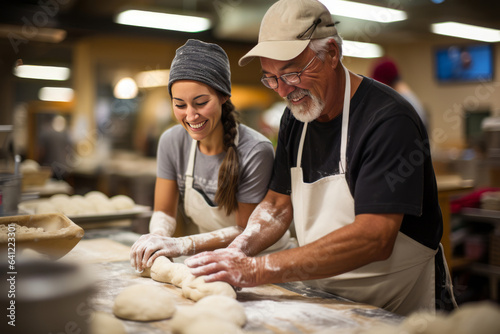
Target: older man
352,170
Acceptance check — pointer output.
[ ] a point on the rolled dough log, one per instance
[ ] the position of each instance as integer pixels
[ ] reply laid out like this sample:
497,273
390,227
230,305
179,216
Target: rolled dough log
195,288
143,302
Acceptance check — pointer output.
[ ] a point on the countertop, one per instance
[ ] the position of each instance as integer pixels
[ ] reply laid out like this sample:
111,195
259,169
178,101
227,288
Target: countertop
273,308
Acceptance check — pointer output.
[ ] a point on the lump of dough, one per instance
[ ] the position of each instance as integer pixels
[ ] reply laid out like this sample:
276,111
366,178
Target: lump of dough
29,166
164,270
143,302
82,205
46,207
216,312
197,289
105,323
122,202
60,200
210,326
95,196
227,308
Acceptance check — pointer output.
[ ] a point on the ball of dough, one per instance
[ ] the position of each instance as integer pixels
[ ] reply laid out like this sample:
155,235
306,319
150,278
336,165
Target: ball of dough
95,196
226,308
142,302
29,166
105,323
46,207
211,326
122,202
197,289
82,205
60,200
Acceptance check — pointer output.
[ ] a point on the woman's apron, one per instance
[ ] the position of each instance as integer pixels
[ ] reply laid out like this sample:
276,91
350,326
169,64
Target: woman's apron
210,218
403,283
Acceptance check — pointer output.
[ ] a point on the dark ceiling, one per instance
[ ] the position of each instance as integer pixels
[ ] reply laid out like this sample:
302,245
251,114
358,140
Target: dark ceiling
234,20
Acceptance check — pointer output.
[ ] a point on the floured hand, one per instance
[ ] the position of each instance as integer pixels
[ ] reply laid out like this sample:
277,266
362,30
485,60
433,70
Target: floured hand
229,265
149,246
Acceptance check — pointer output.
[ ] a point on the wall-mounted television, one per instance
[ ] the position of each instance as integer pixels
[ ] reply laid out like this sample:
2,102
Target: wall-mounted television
464,63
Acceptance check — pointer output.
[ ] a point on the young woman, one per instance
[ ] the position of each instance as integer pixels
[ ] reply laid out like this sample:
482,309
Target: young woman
220,168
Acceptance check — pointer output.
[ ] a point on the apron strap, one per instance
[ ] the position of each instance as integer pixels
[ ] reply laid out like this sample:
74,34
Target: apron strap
301,145
190,166
345,122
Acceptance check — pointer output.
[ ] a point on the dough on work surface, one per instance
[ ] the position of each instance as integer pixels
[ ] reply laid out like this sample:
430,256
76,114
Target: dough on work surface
122,202
105,323
210,326
164,270
195,288
210,312
46,207
142,302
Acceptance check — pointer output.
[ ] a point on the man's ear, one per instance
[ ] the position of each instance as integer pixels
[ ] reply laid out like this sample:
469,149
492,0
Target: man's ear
334,52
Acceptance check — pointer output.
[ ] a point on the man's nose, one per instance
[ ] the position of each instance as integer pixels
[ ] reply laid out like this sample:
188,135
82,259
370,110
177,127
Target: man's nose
284,89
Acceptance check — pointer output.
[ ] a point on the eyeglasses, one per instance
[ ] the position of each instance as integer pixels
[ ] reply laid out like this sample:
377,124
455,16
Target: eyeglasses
291,79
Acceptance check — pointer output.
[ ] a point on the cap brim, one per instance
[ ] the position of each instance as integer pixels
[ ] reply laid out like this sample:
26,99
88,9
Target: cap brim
278,50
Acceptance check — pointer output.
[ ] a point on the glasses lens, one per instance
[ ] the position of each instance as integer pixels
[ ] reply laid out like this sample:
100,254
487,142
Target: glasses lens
269,82
291,79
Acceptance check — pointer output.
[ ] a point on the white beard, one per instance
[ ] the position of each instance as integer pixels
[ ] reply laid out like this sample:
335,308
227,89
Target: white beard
303,112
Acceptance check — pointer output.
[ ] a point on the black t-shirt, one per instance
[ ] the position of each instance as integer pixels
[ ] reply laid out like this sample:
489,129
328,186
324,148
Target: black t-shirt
389,167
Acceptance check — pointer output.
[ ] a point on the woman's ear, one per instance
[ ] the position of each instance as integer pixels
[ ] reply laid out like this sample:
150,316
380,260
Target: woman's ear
224,98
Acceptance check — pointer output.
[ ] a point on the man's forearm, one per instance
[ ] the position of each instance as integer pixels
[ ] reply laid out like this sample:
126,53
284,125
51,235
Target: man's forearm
266,225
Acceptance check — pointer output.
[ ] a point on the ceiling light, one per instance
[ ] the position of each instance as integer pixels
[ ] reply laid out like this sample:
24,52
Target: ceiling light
364,12
18,34
57,94
467,31
141,18
42,72
126,88
154,78
361,49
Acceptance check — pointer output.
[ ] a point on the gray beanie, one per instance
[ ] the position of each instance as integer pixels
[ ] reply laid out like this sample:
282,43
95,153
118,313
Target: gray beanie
203,62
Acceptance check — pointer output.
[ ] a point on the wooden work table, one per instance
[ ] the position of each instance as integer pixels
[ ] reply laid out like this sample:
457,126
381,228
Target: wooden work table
273,308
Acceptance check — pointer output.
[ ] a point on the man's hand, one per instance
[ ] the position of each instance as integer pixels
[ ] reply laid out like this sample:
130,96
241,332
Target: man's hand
149,246
229,265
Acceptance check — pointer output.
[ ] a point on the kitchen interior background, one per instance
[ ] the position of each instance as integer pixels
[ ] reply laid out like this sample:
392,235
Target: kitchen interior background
100,130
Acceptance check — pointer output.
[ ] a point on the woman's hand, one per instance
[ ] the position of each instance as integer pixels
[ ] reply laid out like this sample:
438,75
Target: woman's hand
149,246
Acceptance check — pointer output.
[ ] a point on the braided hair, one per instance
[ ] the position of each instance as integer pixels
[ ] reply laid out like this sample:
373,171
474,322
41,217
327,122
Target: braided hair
228,179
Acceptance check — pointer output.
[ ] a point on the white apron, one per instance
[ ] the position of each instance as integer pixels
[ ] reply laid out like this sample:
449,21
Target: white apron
210,218
403,283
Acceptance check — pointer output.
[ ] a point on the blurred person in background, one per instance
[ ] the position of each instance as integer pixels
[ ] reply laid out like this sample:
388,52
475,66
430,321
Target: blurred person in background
386,71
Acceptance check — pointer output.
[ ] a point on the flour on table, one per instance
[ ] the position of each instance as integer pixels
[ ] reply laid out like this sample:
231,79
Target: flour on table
105,323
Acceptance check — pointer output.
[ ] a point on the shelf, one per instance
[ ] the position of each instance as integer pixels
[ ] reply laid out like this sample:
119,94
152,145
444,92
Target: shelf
489,216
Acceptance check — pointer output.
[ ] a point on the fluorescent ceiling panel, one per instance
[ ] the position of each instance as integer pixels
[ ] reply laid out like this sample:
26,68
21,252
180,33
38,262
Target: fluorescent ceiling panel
42,72
467,31
361,49
153,78
141,18
364,12
57,94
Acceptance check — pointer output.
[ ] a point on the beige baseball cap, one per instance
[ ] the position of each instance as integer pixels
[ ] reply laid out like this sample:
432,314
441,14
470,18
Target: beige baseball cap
287,28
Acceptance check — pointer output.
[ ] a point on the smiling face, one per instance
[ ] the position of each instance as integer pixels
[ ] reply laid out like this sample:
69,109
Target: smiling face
198,107
311,99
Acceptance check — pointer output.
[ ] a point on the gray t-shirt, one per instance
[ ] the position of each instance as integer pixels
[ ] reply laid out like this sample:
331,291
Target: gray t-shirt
256,156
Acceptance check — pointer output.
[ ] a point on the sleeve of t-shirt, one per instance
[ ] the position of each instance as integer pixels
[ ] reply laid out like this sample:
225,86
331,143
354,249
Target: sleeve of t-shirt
391,173
281,180
168,152
256,173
